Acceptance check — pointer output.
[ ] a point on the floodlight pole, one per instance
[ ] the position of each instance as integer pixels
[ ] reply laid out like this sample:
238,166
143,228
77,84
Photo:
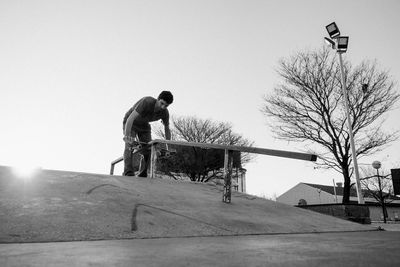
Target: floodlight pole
353,148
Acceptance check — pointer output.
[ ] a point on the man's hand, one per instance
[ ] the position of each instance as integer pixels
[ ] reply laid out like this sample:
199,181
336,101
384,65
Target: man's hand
130,140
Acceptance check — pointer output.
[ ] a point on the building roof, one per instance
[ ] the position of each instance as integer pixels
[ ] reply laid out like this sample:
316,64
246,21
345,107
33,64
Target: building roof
330,190
339,190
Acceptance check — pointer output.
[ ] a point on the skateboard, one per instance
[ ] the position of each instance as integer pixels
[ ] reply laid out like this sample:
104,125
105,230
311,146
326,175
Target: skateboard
137,146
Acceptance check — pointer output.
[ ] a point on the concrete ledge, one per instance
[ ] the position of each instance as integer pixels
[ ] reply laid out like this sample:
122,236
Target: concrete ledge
71,206
352,212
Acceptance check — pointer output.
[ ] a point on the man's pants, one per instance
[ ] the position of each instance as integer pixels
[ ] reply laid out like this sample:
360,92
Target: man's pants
142,136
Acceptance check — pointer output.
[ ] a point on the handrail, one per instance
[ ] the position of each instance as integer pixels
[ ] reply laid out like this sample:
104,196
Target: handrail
113,164
228,158
256,150
248,149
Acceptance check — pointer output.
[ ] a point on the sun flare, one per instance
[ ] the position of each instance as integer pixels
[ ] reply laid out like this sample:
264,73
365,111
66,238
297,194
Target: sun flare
25,172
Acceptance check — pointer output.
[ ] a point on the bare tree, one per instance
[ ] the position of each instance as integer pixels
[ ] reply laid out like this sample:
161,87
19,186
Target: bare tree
200,164
308,107
379,187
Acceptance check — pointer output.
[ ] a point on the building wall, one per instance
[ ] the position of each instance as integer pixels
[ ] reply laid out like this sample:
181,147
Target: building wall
239,180
314,197
376,214
310,194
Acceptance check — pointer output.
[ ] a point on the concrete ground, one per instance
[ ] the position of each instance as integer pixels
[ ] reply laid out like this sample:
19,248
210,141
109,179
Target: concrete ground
60,218
378,248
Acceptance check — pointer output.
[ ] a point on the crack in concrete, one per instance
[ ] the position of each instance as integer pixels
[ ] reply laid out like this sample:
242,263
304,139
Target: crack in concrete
96,187
135,210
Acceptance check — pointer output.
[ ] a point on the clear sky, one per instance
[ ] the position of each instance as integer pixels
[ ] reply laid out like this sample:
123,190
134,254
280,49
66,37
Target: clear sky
69,70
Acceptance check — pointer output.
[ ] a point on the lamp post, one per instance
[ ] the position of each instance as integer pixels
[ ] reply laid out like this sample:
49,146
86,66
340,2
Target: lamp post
340,44
377,165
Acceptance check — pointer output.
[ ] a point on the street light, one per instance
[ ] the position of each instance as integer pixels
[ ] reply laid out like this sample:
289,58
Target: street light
340,44
333,30
377,165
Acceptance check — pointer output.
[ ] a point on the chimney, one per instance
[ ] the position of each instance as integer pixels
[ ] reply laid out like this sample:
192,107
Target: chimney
338,184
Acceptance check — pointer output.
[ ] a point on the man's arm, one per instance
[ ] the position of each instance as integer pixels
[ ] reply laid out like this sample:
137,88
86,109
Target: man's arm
129,122
167,132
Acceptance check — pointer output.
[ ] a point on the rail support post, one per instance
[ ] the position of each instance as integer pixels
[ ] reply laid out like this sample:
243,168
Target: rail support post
228,164
153,161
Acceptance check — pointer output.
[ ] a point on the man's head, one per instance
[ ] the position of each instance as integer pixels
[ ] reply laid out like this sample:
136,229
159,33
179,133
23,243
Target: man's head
164,99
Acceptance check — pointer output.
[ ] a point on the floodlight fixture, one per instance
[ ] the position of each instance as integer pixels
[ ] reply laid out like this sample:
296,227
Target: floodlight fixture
333,30
330,42
342,44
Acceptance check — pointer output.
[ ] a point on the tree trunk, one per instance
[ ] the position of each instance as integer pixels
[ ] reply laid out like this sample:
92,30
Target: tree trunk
346,186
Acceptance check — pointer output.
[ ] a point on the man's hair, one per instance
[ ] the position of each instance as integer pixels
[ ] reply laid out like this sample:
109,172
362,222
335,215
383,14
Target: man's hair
167,97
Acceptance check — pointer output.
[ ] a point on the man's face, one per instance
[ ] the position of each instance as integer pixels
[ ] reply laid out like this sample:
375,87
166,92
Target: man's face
161,104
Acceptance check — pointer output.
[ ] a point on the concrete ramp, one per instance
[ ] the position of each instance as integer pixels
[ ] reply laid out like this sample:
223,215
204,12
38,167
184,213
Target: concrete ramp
66,206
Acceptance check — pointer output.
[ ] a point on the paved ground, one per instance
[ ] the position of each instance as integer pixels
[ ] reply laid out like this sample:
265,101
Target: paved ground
378,248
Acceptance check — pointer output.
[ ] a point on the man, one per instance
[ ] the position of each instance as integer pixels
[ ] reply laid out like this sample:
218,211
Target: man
137,128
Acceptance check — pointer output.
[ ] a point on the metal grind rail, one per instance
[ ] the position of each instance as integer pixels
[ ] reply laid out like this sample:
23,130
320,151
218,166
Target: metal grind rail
228,160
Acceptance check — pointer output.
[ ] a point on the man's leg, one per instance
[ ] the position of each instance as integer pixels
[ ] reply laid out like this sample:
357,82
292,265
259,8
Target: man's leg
144,161
128,161
128,157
